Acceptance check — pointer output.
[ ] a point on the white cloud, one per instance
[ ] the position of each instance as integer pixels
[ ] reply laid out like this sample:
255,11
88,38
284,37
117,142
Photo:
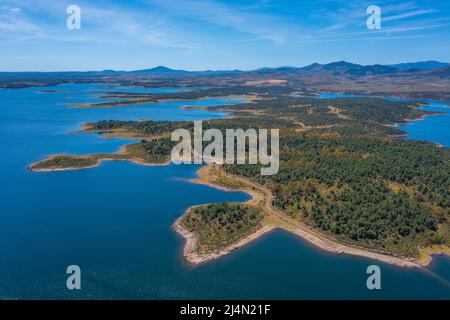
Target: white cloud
263,26
353,13
408,14
45,20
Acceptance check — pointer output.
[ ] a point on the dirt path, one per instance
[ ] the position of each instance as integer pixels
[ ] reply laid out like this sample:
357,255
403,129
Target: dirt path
303,127
318,239
274,218
338,113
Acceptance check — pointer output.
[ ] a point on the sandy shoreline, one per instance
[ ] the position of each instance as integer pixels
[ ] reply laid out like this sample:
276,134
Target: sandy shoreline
99,162
259,194
137,102
262,198
398,125
410,120
314,237
190,247
121,152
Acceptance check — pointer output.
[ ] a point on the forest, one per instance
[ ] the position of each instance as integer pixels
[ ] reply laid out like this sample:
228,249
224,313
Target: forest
385,194
218,225
343,170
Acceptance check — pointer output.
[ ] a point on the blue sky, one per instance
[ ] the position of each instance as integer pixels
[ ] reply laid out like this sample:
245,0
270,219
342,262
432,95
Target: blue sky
213,34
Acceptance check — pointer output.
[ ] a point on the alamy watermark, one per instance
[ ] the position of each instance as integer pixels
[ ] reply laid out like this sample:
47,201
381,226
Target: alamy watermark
73,21
74,279
234,145
374,280
374,20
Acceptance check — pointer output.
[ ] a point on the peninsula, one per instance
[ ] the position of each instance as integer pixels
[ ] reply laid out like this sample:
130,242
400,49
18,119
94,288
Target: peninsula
346,183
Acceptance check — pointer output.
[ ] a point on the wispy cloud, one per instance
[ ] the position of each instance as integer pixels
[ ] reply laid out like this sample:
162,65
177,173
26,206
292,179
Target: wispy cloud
211,33
353,14
263,26
383,34
352,39
11,20
100,24
408,14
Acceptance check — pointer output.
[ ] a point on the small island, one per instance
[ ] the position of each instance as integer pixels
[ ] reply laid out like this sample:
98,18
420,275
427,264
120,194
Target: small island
216,226
120,99
154,152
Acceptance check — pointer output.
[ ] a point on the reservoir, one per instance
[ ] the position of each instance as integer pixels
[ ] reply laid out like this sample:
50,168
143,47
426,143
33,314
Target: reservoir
114,221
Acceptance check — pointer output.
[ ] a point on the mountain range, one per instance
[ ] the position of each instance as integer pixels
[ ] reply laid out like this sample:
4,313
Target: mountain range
334,68
340,67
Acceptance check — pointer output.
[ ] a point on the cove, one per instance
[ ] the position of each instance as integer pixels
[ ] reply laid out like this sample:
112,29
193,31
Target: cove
114,221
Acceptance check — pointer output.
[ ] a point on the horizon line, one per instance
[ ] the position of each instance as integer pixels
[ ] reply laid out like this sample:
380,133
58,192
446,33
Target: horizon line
221,70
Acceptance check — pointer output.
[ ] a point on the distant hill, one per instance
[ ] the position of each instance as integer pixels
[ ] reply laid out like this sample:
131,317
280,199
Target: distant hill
344,68
347,68
421,65
277,70
334,69
160,70
443,72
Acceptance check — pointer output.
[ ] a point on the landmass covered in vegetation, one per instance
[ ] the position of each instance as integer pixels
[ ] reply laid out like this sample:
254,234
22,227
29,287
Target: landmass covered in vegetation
343,170
151,152
218,225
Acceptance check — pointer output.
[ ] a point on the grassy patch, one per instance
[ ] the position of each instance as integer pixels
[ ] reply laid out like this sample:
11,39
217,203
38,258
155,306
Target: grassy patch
61,162
218,225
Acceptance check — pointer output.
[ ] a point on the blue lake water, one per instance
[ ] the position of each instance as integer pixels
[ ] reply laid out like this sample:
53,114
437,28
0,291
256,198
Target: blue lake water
114,221
433,128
